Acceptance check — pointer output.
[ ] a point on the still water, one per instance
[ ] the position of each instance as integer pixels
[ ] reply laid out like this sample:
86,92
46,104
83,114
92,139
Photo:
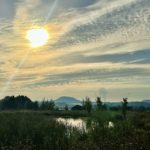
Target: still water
77,123
81,123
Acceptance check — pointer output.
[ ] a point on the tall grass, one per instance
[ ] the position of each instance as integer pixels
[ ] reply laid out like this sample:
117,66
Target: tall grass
28,131
37,131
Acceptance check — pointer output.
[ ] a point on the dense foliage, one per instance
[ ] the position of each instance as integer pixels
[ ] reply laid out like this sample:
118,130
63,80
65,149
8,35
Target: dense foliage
23,102
18,102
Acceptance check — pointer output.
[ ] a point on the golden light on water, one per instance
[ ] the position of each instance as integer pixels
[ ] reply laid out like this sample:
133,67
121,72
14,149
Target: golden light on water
37,37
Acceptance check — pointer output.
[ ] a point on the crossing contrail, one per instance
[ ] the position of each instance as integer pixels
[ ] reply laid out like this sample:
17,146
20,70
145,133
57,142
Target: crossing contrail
12,77
51,10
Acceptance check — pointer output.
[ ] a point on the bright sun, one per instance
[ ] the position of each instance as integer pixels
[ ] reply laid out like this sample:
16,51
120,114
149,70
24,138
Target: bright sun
37,37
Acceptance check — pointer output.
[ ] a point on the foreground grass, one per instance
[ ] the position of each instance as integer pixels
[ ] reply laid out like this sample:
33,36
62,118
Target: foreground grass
39,131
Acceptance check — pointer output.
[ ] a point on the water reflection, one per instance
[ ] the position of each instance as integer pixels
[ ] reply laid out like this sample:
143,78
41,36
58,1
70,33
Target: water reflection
110,124
78,123
81,124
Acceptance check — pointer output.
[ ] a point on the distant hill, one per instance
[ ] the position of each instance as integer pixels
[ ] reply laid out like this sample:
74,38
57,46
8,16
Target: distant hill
146,101
70,101
135,104
23,102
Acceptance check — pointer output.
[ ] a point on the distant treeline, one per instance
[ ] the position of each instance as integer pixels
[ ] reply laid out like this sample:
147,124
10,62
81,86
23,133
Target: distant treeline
23,102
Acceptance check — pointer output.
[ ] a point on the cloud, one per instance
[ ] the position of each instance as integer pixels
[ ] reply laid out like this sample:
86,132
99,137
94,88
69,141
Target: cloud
139,56
7,9
93,44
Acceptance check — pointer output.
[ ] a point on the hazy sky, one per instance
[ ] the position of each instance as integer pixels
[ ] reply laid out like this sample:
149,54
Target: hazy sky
96,47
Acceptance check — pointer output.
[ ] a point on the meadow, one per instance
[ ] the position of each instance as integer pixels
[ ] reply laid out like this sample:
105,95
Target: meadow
39,130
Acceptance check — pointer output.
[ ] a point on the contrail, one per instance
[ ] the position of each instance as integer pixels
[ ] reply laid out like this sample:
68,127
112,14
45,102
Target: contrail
12,77
51,10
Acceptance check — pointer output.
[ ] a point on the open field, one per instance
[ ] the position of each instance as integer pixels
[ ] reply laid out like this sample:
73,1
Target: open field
29,130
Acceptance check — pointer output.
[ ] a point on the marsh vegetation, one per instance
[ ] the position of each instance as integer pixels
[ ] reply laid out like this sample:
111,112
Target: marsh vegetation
48,128
40,131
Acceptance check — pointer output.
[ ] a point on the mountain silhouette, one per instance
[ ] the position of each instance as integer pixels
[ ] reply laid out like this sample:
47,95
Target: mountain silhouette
66,100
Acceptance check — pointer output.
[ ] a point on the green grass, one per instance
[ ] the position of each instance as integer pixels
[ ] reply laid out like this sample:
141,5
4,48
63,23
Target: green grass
60,113
31,130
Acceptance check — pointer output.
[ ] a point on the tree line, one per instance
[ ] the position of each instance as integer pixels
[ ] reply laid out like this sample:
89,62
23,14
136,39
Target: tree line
17,102
23,102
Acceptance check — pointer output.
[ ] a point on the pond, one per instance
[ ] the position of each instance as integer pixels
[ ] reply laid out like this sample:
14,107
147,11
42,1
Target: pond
77,123
80,123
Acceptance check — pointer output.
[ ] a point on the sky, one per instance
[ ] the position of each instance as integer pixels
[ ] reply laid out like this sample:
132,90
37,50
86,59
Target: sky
96,48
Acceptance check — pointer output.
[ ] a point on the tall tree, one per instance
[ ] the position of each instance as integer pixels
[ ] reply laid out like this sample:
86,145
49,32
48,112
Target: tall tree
66,107
124,107
83,104
88,104
99,103
47,105
51,105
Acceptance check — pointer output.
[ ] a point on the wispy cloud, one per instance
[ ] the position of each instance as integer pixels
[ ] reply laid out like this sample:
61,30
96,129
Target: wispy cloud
98,43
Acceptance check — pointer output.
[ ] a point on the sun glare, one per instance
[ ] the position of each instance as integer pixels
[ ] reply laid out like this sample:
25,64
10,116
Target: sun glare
37,37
